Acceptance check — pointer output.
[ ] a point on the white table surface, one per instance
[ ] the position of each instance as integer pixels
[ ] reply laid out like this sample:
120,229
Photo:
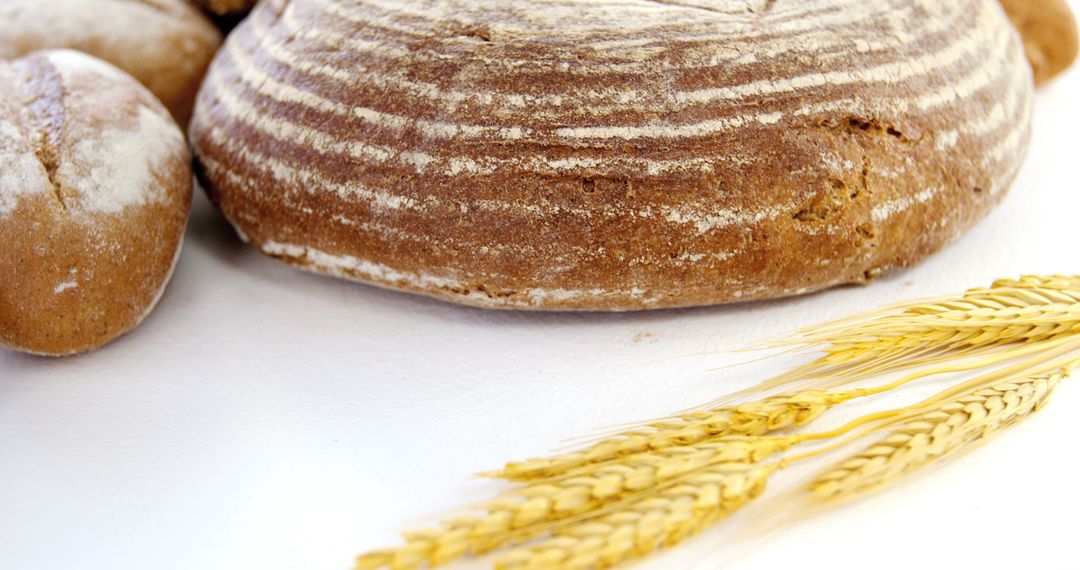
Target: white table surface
272,419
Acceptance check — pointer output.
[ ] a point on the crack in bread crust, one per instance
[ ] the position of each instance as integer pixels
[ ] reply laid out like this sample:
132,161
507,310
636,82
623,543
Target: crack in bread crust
42,88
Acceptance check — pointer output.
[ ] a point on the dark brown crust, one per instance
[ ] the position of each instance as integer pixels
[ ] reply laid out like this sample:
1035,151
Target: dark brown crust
226,7
165,44
1050,35
73,279
810,200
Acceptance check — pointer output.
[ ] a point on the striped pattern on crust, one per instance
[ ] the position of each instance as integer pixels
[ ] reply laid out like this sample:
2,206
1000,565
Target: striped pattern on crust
612,154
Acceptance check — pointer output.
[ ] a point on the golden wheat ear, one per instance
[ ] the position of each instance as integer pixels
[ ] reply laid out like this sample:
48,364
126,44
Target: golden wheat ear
981,323
547,507
943,430
656,485
658,520
758,418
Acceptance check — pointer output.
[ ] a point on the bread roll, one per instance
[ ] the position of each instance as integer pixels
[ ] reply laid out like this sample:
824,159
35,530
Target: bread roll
165,44
1049,31
612,155
95,187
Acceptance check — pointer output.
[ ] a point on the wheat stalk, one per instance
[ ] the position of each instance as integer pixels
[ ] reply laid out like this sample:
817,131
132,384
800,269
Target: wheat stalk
524,512
752,419
696,495
1001,316
938,433
662,519
1011,315
654,486
1064,282
510,516
559,504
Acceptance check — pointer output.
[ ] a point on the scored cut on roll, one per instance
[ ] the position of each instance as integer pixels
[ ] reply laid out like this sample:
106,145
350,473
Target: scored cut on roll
612,155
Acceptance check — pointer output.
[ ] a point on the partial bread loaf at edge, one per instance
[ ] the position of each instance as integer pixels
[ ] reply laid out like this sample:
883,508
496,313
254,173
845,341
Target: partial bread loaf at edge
1050,35
611,155
165,44
95,188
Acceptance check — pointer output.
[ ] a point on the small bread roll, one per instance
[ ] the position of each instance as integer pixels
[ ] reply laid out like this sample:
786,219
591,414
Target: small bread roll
1049,32
165,44
226,7
95,188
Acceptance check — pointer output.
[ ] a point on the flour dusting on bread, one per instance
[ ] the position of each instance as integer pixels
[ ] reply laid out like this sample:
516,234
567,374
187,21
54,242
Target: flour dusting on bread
95,189
22,174
697,151
122,167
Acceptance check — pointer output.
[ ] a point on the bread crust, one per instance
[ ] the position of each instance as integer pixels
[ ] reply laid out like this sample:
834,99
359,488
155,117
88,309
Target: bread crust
226,7
667,154
165,44
1050,35
95,188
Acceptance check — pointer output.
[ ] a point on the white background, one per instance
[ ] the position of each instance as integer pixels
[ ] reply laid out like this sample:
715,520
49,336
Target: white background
267,418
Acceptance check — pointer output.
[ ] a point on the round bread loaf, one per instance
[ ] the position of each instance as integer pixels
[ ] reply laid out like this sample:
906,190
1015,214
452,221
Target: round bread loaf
95,187
611,154
1049,31
165,44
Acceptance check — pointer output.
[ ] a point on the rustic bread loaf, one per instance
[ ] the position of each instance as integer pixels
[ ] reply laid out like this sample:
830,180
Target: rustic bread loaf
226,7
1049,32
611,155
165,44
95,187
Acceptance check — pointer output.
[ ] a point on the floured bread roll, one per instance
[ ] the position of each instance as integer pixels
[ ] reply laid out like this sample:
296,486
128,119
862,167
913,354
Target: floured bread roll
95,187
165,44
612,155
1049,32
